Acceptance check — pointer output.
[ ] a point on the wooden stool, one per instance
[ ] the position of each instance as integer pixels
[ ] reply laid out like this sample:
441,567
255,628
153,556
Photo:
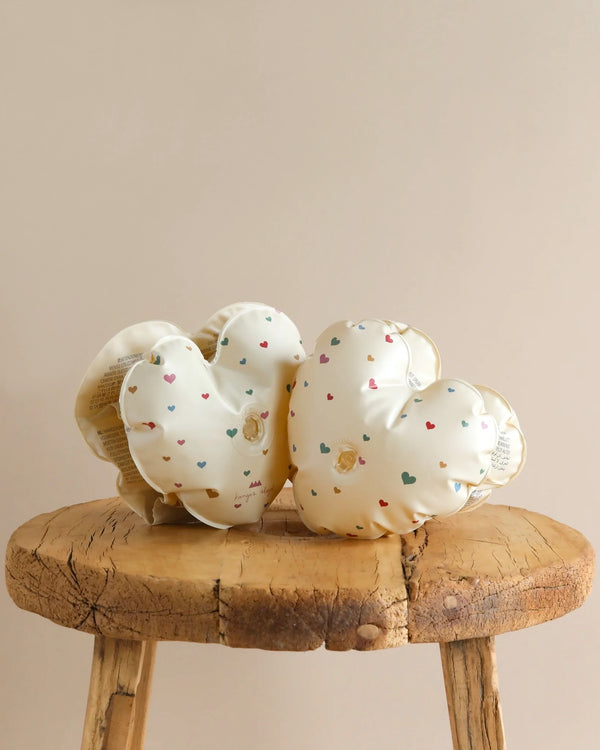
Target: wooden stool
99,568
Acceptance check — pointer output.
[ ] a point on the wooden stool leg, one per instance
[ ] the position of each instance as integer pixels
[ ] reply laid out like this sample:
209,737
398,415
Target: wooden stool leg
119,694
142,696
472,692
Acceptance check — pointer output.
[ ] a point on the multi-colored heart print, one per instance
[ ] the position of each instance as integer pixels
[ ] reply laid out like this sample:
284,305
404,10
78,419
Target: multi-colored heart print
381,444
221,420
206,413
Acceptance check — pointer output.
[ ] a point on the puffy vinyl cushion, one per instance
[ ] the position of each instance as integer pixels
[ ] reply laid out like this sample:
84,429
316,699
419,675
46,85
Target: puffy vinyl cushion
196,423
380,444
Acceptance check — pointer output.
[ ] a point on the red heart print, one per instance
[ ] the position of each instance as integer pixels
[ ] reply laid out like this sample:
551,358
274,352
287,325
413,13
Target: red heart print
264,344
178,484
429,425
323,359
180,442
264,414
205,396
237,505
329,397
383,503
361,461
372,384
170,378
389,339
151,425
292,413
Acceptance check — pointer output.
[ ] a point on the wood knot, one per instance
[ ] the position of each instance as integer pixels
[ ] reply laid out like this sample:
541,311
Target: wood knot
368,631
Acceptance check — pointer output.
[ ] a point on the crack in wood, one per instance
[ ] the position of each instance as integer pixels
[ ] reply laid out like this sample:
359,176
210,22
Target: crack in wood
300,592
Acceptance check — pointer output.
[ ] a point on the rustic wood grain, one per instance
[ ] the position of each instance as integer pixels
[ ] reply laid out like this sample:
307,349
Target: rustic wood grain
142,697
99,568
471,681
118,696
287,589
491,571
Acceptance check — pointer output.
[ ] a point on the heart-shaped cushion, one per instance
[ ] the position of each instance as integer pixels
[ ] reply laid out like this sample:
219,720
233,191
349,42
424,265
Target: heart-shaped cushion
211,430
264,379
380,444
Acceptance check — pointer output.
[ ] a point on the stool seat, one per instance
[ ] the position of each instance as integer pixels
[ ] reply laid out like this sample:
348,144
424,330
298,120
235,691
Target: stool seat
99,568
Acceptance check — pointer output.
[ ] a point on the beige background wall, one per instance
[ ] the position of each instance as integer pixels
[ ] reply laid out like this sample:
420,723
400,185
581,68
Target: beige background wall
437,163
